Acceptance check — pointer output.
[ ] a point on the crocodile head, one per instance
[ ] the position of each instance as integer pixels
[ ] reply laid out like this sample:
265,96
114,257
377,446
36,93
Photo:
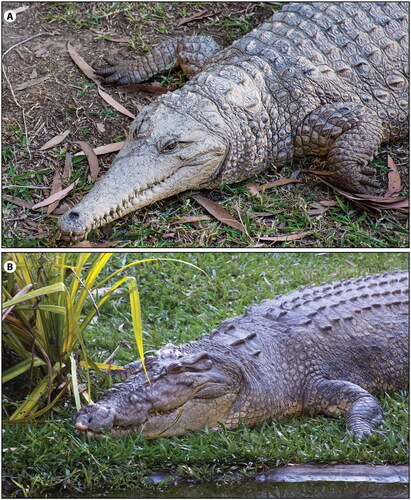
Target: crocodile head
167,152
186,391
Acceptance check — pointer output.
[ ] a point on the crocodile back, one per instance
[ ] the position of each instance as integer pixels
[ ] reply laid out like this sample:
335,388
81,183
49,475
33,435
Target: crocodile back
317,53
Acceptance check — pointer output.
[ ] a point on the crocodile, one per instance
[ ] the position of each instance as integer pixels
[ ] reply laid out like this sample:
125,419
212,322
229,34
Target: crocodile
322,79
322,349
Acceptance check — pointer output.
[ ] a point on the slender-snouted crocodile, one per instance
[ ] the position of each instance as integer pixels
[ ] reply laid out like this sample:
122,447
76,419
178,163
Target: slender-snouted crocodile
323,349
323,79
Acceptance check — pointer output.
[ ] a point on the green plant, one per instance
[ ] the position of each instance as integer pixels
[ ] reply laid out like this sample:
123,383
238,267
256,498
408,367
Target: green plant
46,309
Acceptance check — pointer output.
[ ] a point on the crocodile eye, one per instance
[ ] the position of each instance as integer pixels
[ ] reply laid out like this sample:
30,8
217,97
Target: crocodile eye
169,147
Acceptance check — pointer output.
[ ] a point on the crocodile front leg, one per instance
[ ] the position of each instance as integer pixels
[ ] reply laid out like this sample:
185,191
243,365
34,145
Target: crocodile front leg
336,397
188,52
349,134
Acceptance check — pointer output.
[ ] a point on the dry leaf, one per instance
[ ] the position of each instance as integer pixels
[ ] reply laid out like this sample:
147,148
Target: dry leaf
219,212
188,220
253,215
288,237
100,127
31,83
57,196
319,207
198,15
81,63
18,201
55,140
55,188
20,9
116,105
68,166
40,52
107,148
92,160
125,39
364,201
394,179
253,188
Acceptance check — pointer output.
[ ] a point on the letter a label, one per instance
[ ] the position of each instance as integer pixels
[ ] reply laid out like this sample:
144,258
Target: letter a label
10,16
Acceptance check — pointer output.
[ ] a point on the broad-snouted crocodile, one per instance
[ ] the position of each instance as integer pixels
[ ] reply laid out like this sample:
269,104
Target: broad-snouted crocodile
323,79
323,349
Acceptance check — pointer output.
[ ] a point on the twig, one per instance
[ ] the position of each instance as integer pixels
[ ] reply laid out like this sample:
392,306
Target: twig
45,33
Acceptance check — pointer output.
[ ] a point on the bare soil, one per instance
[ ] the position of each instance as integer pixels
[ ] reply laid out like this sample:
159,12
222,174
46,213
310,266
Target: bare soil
66,100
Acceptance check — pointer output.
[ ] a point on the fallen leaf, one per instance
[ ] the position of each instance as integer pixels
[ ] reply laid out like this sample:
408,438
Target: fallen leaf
365,201
57,196
288,237
219,212
55,188
116,105
55,140
198,15
92,160
31,83
394,179
100,127
107,148
81,64
88,71
125,39
18,201
319,207
253,215
253,188
20,9
68,166
188,220
40,52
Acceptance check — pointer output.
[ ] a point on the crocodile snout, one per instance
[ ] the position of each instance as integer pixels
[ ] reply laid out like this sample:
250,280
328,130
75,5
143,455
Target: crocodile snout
94,418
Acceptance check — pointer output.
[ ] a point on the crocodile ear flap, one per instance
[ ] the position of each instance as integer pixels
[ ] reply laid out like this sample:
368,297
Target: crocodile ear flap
194,363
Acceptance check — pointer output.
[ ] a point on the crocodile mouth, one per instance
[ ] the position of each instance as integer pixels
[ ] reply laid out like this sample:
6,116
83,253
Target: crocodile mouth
118,430
132,202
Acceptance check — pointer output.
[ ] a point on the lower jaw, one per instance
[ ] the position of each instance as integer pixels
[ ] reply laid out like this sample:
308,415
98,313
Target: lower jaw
114,433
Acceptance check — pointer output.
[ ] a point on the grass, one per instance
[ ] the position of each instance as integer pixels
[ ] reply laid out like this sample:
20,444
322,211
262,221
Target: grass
179,304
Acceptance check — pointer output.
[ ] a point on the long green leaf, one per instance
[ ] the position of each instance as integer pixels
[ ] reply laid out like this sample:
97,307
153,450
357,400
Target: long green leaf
57,287
24,410
20,368
147,260
136,318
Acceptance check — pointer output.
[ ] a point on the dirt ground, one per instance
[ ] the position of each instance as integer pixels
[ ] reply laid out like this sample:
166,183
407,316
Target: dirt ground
60,98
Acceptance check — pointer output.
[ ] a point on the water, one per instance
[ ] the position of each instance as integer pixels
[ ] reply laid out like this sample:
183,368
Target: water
300,481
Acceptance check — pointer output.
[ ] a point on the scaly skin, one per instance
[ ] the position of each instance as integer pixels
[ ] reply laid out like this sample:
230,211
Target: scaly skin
322,79
323,349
